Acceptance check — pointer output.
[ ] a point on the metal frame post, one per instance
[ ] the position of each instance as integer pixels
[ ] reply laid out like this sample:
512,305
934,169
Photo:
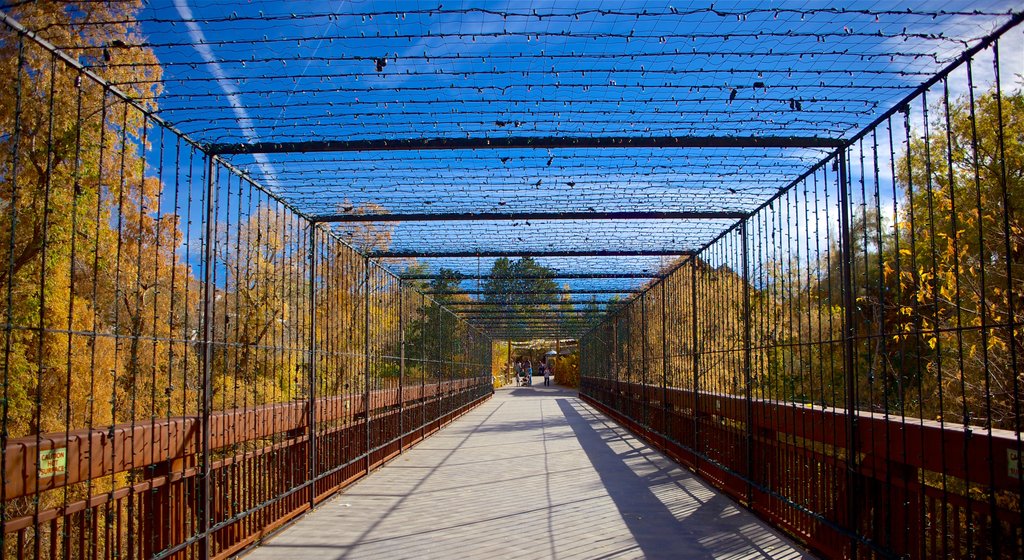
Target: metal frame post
401,366
696,364
423,366
206,343
644,410
615,358
366,358
747,383
311,412
849,366
630,350
440,372
664,363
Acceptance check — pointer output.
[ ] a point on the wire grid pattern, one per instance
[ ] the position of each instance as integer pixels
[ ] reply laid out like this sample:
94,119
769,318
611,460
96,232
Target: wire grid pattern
843,356
297,71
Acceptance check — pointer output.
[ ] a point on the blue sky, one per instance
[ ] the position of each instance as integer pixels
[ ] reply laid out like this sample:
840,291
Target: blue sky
286,71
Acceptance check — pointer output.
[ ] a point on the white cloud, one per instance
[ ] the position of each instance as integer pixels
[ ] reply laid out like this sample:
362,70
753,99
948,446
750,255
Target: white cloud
230,91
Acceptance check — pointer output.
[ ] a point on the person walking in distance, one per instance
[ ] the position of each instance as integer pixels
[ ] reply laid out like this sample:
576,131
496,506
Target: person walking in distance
546,369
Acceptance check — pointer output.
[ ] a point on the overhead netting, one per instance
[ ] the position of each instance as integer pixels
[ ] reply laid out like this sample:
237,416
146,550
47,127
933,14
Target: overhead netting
297,85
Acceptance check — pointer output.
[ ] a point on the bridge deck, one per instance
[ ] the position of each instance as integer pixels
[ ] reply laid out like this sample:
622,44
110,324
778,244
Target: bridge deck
532,473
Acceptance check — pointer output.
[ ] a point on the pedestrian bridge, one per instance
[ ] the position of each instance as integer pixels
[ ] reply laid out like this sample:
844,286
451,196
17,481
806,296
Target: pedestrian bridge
533,472
264,264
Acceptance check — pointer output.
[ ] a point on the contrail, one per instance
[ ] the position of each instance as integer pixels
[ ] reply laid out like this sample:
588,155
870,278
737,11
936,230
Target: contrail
232,93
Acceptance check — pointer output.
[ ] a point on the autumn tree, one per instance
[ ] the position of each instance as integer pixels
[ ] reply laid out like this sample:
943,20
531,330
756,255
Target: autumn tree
961,261
261,305
100,304
86,249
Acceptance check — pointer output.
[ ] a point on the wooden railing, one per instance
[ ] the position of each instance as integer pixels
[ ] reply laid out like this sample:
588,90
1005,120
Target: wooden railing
788,464
259,471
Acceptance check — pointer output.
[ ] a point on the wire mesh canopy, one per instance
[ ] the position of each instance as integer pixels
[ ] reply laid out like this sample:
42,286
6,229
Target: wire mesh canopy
606,141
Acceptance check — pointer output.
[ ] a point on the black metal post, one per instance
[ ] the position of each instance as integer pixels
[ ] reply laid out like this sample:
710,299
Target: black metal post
629,352
440,372
644,411
311,412
401,366
423,366
366,358
664,363
747,382
694,345
206,344
615,359
849,332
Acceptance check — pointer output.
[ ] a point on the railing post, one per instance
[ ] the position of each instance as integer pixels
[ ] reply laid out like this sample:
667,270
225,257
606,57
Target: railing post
747,384
696,364
440,372
401,366
423,366
644,420
366,360
664,364
629,359
206,344
849,332
615,359
311,412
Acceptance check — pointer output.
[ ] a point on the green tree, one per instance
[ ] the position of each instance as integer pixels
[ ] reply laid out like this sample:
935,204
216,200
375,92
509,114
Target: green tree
433,331
513,283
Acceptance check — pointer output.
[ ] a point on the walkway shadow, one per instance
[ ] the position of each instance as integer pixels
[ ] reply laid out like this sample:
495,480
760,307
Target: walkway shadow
695,523
541,391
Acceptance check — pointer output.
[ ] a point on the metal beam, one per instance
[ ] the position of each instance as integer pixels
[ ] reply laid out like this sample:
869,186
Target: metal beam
538,216
532,335
527,253
454,304
522,142
535,292
515,326
527,319
504,333
520,318
546,311
565,329
521,322
553,276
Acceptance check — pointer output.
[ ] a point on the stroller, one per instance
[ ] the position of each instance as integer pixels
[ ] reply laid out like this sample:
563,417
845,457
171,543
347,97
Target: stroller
522,380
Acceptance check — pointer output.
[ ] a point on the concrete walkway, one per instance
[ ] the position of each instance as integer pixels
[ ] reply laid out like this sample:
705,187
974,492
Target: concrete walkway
532,473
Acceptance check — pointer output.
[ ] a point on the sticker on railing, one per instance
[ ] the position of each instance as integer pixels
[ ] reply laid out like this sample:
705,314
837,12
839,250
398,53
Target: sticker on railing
1013,463
53,462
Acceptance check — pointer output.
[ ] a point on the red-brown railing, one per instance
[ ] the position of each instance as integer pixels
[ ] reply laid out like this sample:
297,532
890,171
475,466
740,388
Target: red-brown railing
156,516
799,479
